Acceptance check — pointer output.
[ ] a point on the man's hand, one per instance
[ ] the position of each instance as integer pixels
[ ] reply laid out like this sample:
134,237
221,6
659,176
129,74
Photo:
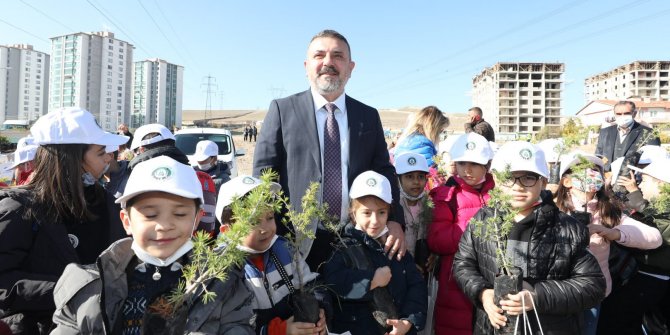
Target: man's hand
494,312
400,327
395,242
512,305
628,183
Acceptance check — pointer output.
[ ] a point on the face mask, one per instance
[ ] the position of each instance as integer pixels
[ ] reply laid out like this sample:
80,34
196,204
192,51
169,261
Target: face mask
592,182
146,258
256,252
88,179
383,232
206,166
411,198
624,121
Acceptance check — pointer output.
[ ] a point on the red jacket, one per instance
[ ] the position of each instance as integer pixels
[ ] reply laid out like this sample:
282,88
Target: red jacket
455,204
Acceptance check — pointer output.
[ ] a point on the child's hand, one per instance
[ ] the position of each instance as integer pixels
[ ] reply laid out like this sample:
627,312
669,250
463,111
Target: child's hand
512,305
400,327
628,183
494,312
303,328
322,322
604,232
382,277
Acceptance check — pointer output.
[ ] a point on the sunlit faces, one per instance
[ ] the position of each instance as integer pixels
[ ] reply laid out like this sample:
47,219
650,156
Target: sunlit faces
261,236
95,160
413,183
524,188
328,66
160,223
650,186
472,173
370,214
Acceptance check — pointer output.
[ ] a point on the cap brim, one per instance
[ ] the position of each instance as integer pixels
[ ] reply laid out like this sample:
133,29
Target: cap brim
110,139
123,199
200,157
478,160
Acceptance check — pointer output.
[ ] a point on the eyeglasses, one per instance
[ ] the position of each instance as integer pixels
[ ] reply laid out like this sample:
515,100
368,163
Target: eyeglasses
528,180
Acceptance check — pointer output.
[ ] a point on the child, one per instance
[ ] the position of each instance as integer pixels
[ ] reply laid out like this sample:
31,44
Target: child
455,203
161,208
549,247
608,223
269,266
412,170
370,195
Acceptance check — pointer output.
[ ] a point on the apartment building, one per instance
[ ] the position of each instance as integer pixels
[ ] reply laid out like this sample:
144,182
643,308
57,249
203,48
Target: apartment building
520,97
92,71
157,93
24,83
644,80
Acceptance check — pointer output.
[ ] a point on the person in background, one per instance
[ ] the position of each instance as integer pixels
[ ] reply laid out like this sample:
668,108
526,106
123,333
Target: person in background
422,133
478,125
246,133
552,148
206,154
23,161
161,209
57,218
255,132
123,130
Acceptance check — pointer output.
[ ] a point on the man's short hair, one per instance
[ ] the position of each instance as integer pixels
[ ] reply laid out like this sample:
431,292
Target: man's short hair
626,103
476,110
332,34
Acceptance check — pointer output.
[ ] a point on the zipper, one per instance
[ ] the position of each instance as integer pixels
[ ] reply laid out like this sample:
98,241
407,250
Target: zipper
266,284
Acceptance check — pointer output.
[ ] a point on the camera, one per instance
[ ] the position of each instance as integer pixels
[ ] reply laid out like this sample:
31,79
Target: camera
632,158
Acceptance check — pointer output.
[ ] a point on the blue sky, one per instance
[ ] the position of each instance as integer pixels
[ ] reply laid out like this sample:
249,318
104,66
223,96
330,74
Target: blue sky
407,53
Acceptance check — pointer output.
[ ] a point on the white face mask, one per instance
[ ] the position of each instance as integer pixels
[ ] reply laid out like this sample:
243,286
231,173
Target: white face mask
383,232
146,258
256,252
624,121
205,166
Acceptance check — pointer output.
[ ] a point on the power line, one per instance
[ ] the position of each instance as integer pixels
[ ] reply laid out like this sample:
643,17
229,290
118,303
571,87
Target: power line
118,26
161,31
176,35
48,16
25,31
211,83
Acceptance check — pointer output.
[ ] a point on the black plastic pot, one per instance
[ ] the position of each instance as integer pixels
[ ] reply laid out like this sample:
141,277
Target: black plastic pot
383,308
582,217
502,286
156,324
555,173
305,307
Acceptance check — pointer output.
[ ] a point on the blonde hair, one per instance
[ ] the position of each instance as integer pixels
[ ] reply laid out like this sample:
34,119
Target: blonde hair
428,122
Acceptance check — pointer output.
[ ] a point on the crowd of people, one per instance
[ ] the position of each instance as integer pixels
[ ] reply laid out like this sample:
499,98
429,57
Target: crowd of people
97,231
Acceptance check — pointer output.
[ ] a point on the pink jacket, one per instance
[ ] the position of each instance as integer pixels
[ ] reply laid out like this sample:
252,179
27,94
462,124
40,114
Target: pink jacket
634,234
455,204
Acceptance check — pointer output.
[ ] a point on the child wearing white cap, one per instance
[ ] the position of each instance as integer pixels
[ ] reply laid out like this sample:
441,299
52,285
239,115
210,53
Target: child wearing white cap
206,154
548,246
269,268
646,292
58,217
23,165
412,170
161,208
353,280
150,136
586,196
455,203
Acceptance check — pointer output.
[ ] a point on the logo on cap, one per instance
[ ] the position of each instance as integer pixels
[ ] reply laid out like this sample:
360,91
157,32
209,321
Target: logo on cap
526,154
411,161
248,181
470,146
162,173
371,182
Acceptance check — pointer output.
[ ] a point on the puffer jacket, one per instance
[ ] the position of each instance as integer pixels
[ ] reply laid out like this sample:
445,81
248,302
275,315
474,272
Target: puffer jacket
565,277
418,144
352,286
454,207
89,299
657,260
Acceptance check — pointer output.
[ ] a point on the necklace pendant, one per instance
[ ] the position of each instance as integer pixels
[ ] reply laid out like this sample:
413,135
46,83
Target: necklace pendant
156,276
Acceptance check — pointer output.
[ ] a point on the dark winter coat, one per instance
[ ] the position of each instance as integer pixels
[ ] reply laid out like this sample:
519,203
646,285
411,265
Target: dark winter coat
481,127
657,260
565,277
352,287
220,173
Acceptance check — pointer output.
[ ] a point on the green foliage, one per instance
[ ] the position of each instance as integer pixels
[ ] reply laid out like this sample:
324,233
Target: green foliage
4,140
442,164
661,204
497,227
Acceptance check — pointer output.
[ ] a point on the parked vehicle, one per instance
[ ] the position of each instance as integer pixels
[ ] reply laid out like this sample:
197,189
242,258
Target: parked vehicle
187,139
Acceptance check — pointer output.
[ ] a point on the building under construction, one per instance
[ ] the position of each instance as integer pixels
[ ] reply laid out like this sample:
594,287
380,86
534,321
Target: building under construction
520,97
646,80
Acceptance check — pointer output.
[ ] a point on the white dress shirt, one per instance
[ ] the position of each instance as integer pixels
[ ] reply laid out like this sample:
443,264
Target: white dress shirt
342,123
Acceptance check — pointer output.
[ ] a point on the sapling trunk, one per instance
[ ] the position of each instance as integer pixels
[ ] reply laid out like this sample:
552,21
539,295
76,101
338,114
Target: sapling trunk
504,285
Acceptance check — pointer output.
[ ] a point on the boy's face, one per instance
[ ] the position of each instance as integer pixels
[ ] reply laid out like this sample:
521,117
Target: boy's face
160,223
472,173
371,214
650,187
525,190
261,237
413,183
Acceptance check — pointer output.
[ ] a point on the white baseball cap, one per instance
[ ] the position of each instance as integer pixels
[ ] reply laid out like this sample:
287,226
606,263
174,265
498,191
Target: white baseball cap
205,149
23,154
574,157
162,174
238,187
409,162
72,125
520,156
657,169
371,183
445,146
494,147
23,141
551,148
141,132
651,153
471,147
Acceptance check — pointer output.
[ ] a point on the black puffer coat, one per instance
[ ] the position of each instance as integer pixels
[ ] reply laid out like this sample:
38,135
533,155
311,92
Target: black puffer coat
565,276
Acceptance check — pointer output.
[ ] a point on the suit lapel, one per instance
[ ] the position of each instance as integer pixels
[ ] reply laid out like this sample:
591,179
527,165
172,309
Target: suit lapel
308,120
355,123
632,137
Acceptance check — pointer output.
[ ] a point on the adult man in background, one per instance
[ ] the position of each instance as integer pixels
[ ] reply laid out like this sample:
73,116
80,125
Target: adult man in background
478,125
322,135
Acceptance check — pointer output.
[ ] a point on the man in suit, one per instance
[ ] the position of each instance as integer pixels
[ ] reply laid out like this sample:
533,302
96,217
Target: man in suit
626,137
303,133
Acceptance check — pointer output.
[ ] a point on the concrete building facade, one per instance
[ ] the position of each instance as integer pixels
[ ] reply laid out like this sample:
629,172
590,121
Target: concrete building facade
24,83
157,93
645,80
520,98
92,71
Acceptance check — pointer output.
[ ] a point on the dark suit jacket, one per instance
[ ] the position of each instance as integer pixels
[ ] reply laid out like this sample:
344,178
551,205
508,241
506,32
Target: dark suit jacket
289,144
634,140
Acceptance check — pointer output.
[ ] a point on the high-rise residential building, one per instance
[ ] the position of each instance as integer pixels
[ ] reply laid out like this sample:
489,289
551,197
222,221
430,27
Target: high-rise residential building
24,83
157,93
92,71
645,80
520,97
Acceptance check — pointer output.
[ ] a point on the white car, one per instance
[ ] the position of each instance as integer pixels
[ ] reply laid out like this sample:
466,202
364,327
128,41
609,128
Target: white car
187,139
